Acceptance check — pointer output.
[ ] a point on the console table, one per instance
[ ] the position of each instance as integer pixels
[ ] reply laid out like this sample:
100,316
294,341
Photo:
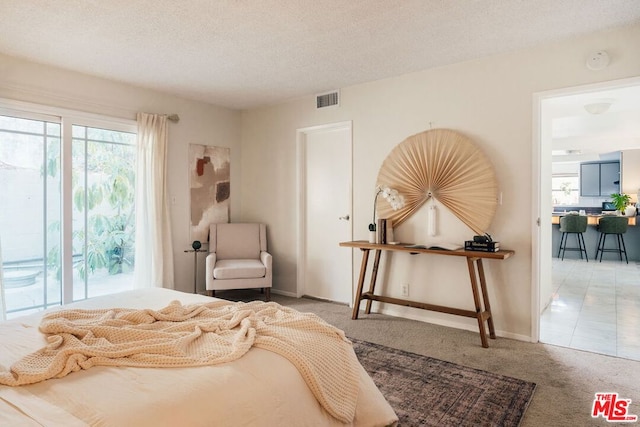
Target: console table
476,274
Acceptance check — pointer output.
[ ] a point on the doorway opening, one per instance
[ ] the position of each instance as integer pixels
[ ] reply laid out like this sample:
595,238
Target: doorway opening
592,305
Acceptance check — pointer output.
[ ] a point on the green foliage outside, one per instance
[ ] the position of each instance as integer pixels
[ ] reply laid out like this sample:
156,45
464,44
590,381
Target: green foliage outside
106,196
566,188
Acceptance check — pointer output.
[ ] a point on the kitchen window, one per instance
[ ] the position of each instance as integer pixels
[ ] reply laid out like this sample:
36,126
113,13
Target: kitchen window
565,190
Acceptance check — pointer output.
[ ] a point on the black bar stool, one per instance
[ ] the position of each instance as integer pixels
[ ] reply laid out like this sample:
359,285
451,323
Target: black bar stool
573,224
612,225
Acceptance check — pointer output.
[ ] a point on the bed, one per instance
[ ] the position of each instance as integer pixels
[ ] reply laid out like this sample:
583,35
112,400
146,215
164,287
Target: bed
261,388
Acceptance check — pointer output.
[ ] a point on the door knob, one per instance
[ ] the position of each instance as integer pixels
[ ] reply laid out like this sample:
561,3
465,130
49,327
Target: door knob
346,217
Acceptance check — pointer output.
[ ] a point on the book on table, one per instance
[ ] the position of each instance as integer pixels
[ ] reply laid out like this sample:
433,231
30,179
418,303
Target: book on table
384,232
491,246
446,246
442,246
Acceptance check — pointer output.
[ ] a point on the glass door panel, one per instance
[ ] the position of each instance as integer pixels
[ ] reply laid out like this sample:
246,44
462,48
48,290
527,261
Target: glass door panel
103,165
30,214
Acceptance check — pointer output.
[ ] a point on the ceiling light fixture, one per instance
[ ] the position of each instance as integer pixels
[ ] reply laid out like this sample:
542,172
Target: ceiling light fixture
566,152
599,106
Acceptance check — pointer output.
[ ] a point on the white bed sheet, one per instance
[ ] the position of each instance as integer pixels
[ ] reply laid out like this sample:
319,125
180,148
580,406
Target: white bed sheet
259,389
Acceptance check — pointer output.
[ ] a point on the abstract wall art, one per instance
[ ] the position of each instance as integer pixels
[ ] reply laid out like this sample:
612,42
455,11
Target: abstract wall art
210,188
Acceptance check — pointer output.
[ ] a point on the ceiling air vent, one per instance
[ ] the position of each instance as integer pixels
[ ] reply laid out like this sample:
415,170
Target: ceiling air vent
328,99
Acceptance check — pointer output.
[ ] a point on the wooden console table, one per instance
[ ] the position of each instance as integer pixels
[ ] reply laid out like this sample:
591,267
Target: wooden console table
476,273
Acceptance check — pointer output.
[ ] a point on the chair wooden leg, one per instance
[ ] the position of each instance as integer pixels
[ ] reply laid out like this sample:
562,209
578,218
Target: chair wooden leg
211,293
267,294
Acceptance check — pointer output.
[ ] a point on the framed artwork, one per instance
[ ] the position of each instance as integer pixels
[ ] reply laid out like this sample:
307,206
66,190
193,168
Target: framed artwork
210,188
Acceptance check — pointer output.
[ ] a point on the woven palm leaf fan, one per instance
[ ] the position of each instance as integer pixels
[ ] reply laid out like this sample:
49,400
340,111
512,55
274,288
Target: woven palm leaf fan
446,165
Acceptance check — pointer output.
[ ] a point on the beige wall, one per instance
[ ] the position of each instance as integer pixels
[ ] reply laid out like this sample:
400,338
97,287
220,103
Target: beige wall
490,100
199,124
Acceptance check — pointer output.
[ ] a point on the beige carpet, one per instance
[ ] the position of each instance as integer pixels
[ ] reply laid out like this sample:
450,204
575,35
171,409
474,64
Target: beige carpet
566,379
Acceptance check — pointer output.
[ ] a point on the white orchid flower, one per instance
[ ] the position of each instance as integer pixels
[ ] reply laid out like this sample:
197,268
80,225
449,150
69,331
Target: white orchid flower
391,195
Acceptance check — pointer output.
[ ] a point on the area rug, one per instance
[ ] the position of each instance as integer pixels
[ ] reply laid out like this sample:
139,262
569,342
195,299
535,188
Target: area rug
429,392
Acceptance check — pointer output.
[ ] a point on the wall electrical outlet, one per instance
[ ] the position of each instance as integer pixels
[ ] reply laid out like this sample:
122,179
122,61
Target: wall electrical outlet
405,290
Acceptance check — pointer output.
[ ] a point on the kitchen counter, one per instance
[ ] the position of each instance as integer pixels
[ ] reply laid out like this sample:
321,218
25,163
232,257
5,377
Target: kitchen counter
591,219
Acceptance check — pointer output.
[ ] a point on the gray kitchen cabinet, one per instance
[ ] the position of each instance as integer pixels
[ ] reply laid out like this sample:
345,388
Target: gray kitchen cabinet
599,179
590,179
609,178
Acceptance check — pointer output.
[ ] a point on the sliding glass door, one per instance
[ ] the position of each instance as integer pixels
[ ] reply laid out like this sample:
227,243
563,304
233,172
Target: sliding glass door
30,213
67,216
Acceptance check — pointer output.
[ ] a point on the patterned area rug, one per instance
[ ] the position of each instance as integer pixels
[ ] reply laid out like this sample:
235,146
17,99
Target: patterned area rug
430,392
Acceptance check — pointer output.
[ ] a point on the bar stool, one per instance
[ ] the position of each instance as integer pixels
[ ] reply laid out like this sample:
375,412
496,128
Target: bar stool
573,224
612,225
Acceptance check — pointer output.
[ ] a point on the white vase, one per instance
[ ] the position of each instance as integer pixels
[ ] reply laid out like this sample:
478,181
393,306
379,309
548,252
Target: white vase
630,210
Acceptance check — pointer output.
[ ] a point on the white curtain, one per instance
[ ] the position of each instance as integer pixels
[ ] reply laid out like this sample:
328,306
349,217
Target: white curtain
3,307
154,252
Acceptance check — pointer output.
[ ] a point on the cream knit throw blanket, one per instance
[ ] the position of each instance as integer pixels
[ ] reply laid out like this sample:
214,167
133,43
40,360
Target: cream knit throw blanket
196,335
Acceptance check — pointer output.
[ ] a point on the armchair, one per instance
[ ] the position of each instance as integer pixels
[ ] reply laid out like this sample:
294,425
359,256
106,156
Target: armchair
238,258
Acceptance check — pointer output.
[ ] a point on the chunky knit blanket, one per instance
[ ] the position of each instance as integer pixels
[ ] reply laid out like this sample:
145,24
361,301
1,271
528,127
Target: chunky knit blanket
196,335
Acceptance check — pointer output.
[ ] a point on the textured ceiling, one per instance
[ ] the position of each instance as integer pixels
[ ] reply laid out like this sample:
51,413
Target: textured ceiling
247,53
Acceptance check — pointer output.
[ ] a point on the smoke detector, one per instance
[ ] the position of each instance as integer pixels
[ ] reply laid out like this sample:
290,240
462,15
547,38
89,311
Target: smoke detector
598,60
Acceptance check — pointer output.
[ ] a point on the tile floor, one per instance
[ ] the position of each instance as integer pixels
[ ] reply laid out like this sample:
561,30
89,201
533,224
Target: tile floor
596,307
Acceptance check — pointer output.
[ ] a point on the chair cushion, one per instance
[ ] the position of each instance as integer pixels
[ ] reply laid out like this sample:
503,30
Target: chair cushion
237,241
239,269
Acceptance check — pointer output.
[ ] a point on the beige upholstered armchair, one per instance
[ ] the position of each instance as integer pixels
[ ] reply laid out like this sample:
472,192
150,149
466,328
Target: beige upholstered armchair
238,258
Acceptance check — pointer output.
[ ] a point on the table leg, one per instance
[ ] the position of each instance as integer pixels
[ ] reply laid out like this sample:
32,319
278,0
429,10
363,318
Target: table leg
195,272
485,297
363,270
476,300
374,276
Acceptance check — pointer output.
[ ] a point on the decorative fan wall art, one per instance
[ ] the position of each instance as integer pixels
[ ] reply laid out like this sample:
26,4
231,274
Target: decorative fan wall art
446,165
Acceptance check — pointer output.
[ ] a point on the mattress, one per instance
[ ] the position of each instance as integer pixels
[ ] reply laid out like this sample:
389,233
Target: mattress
261,388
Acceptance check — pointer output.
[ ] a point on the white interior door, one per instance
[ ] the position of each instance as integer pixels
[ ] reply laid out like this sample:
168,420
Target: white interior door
326,212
